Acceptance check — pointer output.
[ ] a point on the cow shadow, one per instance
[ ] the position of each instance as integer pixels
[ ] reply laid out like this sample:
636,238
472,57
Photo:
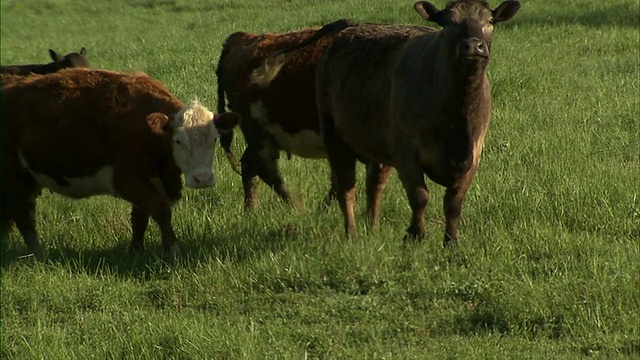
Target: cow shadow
112,260
118,261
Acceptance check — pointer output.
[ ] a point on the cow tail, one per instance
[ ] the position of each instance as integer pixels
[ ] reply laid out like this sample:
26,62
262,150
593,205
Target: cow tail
264,74
226,139
328,29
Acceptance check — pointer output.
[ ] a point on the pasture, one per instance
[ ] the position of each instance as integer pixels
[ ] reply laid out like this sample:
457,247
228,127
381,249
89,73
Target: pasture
549,259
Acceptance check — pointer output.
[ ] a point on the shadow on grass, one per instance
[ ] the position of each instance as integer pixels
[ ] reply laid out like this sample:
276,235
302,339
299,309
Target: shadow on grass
119,261
486,316
240,245
116,260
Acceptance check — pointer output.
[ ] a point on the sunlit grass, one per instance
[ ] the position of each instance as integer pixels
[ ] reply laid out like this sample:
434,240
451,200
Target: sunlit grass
548,265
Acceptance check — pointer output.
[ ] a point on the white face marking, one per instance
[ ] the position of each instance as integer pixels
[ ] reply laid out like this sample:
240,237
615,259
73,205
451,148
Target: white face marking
307,143
194,145
100,183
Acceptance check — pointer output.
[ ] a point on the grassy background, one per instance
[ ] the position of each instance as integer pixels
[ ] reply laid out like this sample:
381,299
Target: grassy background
549,260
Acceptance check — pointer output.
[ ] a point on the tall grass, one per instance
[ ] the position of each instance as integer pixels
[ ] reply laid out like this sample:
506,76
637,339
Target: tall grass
548,265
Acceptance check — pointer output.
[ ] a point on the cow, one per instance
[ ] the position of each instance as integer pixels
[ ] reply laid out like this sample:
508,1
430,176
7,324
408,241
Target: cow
73,59
416,100
85,132
278,114
411,98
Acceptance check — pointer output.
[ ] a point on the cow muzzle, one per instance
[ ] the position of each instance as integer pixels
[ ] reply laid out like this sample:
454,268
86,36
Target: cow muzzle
472,48
200,179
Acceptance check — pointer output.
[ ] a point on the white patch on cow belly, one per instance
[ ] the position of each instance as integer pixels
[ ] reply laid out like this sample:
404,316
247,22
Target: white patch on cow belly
100,183
307,143
258,112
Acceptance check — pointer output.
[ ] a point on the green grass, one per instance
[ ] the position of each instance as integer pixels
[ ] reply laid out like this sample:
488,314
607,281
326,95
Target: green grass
549,262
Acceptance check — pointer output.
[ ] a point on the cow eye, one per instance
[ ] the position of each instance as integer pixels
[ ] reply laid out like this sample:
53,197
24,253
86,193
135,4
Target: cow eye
177,142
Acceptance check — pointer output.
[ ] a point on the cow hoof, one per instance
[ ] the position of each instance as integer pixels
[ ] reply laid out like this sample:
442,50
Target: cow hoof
136,249
38,254
449,241
449,244
173,252
250,205
413,234
412,238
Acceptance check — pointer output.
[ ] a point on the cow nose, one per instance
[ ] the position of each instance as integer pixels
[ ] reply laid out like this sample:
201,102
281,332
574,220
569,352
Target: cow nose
473,47
203,179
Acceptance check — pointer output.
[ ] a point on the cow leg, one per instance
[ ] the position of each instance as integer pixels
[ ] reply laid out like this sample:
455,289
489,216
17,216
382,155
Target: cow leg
270,174
24,218
250,180
331,194
139,222
5,236
452,204
412,179
5,225
345,168
144,196
19,205
342,160
4,240
170,245
377,176
452,209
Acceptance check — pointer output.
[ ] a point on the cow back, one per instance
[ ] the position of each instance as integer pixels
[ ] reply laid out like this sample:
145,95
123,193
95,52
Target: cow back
290,98
365,60
72,123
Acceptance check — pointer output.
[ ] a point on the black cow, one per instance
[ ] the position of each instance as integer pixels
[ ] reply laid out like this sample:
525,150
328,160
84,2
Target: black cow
59,62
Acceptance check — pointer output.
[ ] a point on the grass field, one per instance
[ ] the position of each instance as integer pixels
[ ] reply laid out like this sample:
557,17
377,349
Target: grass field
549,262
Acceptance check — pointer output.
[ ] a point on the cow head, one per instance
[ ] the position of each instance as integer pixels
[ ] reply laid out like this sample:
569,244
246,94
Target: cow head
195,130
468,25
70,60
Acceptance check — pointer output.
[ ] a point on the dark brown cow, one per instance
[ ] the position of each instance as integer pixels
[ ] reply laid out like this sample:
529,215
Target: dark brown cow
416,100
278,114
408,97
81,132
59,62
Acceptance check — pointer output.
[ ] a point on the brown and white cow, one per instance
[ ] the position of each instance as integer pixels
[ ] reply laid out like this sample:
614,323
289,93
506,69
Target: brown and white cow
413,99
278,114
81,132
73,59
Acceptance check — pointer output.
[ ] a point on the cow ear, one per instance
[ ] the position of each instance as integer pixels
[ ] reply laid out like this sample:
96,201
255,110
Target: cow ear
225,122
505,11
83,51
428,11
157,122
54,56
